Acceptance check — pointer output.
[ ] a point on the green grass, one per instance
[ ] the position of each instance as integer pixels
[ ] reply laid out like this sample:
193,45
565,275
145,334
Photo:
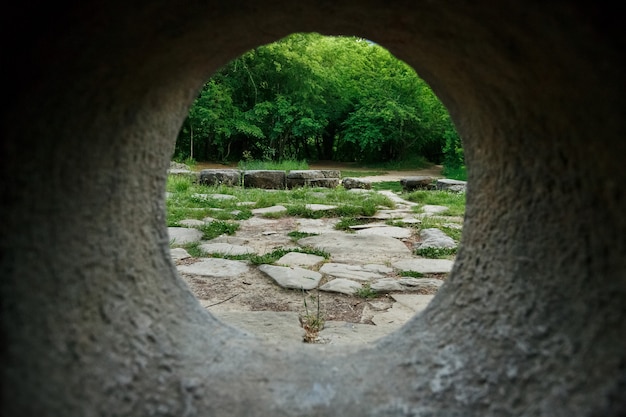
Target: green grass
217,228
456,173
271,257
366,292
387,185
436,253
297,235
454,201
413,274
286,165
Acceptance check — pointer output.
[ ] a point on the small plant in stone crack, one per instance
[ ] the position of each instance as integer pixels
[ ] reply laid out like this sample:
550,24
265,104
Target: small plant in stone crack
311,322
366,292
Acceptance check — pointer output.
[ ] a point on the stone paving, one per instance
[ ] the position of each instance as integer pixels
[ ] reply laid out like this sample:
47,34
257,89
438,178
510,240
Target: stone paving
372,258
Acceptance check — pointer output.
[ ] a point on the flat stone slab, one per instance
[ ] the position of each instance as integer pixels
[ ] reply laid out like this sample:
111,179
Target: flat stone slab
396,198
434,238
424,266
319,207
361,273
420,283
276,326
342,285
183,235
351,248
317,226
191,223
213,196
215,268
226,248
433,209
414,302
272,209
292,277
300,259
178,254
386,285
355,334
389,231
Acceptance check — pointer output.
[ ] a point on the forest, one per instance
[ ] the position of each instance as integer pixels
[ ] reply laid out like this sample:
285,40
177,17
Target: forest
313,97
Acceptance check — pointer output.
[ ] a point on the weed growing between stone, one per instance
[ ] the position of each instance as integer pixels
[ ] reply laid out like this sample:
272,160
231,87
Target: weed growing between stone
366,292
435,253
311,322
413,274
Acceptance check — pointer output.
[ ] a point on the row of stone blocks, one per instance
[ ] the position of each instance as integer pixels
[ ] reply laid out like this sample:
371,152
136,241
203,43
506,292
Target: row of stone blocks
270,179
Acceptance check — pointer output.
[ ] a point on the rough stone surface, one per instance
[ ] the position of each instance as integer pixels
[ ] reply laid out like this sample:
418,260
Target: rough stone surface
95,321
430,209
417,183
215,268
319,207
272,209
300,259
451,185
231,177
386,285
355,272
191,223
388,231
419,283
342,285
226,249
268,179
434,238
179,254
292,277
424,266
183,235
348,248
355,183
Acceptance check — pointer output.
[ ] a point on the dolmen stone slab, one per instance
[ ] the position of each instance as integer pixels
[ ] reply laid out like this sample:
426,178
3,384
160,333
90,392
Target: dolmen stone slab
292,277
434,238
225,249
451,185
328,178
389,231
230,177
269,210
183,235
266,179
356,183
349,248
424,266
417,183
362,273
178,254
342,285
216,268
300,259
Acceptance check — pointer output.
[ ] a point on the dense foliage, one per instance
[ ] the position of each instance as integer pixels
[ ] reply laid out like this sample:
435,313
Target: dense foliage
314,97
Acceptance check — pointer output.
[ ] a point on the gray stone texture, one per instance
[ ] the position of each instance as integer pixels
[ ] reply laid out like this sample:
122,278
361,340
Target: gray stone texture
230,177
183,235
348,248
435,238
95,321
451,185
356,183
417,183
292,277
268,179
215,268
